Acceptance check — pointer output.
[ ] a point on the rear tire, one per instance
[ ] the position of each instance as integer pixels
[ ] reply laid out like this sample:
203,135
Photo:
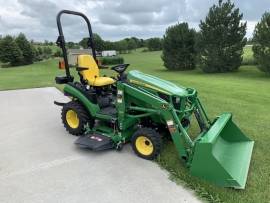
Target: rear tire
75,117
146,143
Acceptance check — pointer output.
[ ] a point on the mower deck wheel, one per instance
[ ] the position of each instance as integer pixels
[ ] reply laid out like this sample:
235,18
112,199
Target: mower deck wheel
146,143
75,117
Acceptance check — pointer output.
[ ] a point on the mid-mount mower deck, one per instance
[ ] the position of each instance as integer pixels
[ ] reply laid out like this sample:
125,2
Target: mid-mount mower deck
141,109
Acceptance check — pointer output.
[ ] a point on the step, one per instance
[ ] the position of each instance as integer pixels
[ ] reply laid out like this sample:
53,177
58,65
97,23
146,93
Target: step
95,141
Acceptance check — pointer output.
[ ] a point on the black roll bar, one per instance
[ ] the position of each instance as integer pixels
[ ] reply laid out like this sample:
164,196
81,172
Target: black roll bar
61,39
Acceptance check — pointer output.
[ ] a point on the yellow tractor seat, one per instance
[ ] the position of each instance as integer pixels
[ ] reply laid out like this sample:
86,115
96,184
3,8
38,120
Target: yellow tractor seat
101,81
91,74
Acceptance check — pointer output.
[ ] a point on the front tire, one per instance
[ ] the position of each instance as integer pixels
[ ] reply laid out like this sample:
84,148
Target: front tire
146,143
75,117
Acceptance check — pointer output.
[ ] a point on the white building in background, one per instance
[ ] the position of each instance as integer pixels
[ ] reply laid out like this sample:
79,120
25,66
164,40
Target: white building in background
74,53
108,53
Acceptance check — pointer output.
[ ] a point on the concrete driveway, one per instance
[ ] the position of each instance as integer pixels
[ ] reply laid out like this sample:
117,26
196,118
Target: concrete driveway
40,163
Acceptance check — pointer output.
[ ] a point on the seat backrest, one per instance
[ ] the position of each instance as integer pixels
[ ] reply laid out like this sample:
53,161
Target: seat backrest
87,61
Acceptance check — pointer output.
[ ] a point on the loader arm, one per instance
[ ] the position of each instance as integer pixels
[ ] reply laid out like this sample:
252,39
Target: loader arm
163,109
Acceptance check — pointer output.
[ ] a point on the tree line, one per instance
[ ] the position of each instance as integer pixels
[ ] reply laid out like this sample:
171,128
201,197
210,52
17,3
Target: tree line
19,51
122,46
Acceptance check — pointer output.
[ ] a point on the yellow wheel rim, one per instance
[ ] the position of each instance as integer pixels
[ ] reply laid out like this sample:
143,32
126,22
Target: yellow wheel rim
144,145
72,119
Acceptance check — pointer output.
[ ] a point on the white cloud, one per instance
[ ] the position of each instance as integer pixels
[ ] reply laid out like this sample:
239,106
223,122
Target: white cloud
112,19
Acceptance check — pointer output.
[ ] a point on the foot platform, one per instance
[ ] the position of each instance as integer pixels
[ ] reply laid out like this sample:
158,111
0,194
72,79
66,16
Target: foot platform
95,142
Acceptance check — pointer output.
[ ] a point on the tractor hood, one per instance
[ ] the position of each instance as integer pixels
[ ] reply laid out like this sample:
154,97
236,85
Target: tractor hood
154,83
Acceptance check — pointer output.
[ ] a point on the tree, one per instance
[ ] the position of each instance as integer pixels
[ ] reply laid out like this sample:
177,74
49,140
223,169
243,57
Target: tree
179,48
84,43
98,42
25,47
261,40
38,53
250,41
71,45
35,51
39,50
131,44
10,52
58,53
109,45
121,46
139,42
154,44
47,52
222,38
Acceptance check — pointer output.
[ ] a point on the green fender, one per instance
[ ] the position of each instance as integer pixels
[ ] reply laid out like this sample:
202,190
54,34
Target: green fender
73,92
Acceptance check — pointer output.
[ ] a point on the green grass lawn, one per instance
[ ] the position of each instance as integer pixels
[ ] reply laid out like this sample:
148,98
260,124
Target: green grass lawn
245,93
37,75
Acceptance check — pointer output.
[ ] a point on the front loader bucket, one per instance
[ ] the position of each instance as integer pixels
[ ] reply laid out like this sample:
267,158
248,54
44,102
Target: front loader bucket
223,154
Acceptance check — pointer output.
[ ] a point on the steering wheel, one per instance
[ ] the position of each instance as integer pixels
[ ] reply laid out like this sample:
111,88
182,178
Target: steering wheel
120,69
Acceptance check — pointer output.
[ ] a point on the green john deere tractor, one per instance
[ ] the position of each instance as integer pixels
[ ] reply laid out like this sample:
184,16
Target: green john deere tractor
108,112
